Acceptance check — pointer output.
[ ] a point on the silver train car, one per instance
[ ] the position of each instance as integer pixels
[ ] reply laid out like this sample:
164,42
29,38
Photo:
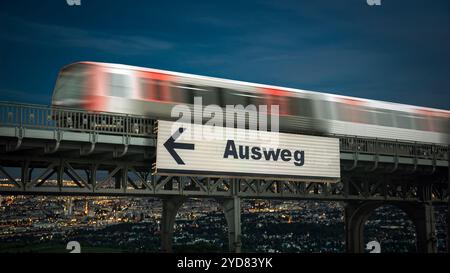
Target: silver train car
103,87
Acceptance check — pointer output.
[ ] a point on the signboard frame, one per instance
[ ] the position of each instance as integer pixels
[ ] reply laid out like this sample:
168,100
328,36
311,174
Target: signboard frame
174,152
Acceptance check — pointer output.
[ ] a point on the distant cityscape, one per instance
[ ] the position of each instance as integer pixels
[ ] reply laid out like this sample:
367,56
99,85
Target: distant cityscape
107,224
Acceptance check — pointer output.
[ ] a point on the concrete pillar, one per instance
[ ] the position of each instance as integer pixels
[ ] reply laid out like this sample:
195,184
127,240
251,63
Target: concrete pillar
232,209
169,212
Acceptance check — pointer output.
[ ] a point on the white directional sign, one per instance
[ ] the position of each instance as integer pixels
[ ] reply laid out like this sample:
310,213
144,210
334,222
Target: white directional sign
192,149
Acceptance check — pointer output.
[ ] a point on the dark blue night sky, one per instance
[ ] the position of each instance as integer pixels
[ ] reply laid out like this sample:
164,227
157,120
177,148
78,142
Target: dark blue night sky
399,51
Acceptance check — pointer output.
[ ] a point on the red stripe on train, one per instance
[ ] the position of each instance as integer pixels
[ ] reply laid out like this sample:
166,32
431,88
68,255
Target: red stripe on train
278,97
94,90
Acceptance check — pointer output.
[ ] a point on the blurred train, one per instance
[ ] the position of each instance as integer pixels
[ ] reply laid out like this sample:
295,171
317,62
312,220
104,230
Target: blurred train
115,88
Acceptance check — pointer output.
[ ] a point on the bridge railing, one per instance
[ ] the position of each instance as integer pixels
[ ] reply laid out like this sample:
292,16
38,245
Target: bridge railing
393,148
51,118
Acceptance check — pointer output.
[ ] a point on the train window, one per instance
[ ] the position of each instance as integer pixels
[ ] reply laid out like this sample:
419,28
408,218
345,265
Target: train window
145,85
70,84
420,123
404,121
120,85
160,91
384,118
257,100
220,94
187,92
232,97
301,107
325,109
282,102
179,94
440,125
209,95
155,90
353,113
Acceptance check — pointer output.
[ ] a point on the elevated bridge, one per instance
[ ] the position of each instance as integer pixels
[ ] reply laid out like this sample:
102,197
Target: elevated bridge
56,151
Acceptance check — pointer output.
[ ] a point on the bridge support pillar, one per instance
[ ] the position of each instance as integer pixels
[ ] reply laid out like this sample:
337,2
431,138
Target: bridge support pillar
118,180
354,224
423,217
232,210
25,173
170,208
421,214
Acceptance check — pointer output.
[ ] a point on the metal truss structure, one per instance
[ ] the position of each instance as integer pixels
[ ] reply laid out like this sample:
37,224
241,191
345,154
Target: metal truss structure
60,151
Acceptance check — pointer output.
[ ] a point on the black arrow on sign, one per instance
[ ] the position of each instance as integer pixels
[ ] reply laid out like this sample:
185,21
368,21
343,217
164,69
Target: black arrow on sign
171,145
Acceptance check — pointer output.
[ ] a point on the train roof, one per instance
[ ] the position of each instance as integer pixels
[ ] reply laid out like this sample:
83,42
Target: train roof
377,103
